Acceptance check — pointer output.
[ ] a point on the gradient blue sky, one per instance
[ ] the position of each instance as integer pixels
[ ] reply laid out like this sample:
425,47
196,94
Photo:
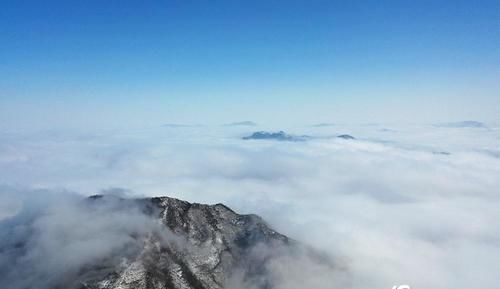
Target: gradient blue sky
100,63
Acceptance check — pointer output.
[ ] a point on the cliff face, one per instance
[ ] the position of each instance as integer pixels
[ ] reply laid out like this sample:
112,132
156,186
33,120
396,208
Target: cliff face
206,247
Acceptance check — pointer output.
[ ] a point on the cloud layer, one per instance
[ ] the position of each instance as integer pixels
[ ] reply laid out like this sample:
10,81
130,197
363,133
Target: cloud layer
57,234
390,204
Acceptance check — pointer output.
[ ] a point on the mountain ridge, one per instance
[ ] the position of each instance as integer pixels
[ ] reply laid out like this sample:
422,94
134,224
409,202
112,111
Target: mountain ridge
154,243
227,236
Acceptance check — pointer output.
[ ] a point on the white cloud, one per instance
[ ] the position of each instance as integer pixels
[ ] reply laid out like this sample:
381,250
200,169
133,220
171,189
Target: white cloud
394,210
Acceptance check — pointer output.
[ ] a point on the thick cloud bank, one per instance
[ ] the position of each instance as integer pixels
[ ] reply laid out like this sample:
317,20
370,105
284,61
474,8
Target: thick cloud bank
413,205
54,236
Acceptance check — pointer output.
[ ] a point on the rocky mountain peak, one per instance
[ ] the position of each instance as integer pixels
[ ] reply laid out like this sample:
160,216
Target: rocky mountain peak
111,242
208,244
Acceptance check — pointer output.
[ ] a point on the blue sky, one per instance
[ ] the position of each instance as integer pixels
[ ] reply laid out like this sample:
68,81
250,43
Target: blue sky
98,63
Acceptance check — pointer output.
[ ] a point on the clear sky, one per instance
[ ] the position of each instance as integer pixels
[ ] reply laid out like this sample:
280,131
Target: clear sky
98,63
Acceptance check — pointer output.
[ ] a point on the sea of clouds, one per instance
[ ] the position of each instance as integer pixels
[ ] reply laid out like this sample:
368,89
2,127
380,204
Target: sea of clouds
400,204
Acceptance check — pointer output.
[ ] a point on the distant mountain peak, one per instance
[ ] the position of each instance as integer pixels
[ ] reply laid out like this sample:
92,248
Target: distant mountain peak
279,136
464,124
180,125
242,123
323,124
346,136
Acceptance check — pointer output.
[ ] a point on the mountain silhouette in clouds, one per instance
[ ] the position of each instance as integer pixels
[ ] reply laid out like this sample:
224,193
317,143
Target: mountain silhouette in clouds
242,123
279,136
152,243
463,124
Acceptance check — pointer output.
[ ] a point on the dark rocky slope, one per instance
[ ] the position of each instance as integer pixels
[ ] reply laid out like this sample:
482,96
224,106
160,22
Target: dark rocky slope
169,244
209,243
